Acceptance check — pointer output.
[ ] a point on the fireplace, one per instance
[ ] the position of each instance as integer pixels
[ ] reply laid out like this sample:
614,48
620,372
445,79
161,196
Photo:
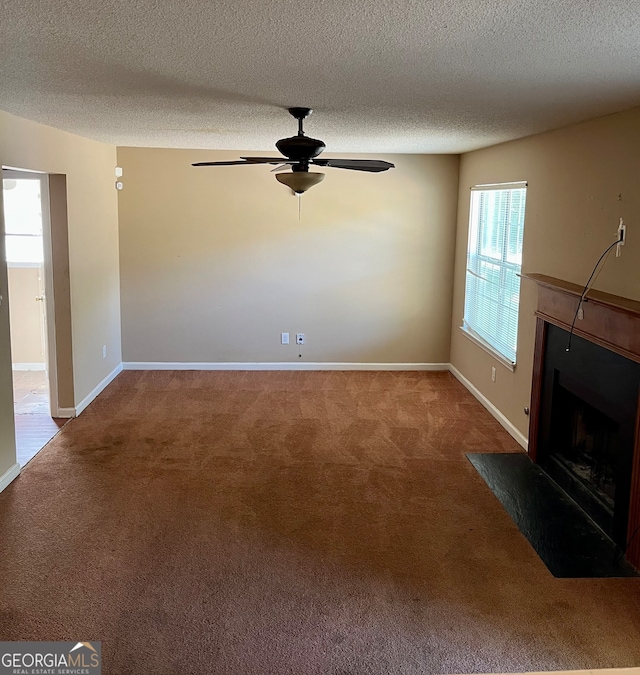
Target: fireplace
584,409
583,454
587,425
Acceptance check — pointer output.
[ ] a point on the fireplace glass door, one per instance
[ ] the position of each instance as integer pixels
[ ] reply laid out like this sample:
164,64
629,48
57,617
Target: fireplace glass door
583,453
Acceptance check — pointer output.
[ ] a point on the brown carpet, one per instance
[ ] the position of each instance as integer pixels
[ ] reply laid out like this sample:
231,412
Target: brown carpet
291,522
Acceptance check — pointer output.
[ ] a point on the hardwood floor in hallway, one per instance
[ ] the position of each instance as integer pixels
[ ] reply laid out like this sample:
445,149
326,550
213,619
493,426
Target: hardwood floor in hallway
34,425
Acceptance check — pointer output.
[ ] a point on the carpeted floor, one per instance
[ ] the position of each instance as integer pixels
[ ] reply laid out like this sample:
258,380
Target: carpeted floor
291,522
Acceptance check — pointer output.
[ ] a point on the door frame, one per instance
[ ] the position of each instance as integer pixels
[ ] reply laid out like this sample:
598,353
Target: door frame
49,303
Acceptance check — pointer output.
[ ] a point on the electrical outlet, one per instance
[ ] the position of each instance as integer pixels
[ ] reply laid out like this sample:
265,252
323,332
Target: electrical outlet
493,374
622,237
299,338
622,232
284,338
104,351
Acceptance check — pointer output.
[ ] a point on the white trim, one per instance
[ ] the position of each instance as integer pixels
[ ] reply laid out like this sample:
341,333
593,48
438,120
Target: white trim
50,351
9,475
280,365
98,389
515,185
24,265
22,170
513,431
469,334
28,366
64,413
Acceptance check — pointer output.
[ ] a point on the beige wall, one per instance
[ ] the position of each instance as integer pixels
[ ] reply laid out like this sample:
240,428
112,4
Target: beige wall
93,252
26,315
575,178
215,264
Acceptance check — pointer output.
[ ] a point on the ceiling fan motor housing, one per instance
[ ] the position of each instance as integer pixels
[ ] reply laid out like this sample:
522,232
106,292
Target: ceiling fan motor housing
299,148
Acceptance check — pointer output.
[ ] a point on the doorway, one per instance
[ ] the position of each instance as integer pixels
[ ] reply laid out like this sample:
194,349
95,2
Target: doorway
31,312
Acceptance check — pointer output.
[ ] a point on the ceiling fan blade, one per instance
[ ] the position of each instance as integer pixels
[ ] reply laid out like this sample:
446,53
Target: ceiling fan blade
373,165
267,160
247,161
277,168
239,161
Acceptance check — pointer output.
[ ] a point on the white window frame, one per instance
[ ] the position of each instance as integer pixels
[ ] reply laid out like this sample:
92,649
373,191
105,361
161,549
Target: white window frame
475,236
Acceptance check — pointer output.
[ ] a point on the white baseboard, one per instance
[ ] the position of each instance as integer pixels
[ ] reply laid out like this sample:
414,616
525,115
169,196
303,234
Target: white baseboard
9,475
97,389
65,413
511,429
280,365
28,366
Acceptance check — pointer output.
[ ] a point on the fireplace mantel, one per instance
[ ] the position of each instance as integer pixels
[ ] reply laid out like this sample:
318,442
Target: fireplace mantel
610,321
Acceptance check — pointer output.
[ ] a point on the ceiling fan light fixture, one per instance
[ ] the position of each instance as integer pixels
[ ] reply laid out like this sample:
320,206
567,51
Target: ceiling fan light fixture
300,181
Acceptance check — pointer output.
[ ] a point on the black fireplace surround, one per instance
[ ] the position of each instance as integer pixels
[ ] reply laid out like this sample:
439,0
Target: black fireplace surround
588,405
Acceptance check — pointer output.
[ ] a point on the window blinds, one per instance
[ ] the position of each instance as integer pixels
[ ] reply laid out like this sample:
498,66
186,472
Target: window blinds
494,257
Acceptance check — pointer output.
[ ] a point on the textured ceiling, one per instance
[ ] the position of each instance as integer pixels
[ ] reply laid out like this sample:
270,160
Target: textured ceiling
382,75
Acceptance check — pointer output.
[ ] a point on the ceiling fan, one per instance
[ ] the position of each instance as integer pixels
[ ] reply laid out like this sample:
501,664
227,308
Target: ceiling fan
300,152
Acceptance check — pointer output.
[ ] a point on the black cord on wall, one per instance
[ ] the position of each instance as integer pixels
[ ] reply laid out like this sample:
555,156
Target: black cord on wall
586,289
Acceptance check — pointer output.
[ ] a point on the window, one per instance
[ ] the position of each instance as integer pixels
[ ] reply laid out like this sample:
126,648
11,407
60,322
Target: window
494,256
23,221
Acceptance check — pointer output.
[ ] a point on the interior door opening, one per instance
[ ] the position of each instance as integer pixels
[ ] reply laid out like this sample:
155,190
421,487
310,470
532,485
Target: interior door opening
31,313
